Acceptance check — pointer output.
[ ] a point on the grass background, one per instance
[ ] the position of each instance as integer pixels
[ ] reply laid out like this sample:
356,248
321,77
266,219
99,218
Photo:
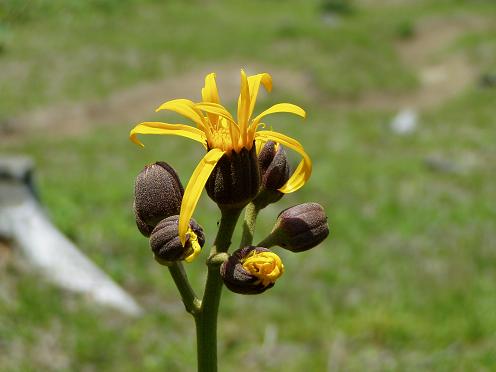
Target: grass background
406,280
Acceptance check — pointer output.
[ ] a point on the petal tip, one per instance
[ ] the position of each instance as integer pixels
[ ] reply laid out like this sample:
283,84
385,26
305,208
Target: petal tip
267,83
133,138
182,239
161,107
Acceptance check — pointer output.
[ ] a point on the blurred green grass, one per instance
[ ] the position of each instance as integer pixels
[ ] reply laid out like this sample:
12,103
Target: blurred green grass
406,280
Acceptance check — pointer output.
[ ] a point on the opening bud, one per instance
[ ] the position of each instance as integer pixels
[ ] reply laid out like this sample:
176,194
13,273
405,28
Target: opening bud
235,180
274,170
251,270
166,245
158,194
299,228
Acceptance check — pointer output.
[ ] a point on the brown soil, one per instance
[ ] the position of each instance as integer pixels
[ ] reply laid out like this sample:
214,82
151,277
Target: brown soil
441,74
138,103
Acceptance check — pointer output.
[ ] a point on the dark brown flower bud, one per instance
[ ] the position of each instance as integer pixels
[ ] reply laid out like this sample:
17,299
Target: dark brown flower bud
145,229
158,194
251,270
299,228
273,166
274,170
166,245
235,180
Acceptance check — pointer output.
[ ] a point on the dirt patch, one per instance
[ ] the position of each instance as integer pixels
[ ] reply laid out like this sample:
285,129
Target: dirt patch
435,35
439,82
441,74
138,103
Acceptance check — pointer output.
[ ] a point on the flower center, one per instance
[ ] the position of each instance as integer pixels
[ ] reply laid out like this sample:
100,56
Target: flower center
221,138
266,266
225,135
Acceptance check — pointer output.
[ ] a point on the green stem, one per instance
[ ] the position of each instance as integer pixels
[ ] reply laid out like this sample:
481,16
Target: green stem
191,302
270,240
251,214
206,318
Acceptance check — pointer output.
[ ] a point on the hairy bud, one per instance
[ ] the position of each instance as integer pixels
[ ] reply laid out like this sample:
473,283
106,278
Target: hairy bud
166,245
251,270
235,180
300,228
144,228
273,166
158,194
274,170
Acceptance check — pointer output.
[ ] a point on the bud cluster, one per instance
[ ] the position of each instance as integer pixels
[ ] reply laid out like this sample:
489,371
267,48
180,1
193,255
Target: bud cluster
236,180
158,194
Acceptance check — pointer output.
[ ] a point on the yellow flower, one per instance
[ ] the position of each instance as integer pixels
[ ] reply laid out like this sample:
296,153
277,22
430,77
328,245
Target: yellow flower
266,266
221,134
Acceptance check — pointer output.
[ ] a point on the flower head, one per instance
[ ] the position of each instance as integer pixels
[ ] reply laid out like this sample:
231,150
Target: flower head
251,270
221,134
158,193
265,265
299,228
165,243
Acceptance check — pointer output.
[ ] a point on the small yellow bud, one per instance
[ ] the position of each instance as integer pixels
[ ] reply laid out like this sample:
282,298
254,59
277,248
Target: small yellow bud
251,270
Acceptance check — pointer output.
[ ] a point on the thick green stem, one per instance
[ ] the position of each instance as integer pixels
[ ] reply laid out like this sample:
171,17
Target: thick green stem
206,318
249,224
271,240
191,302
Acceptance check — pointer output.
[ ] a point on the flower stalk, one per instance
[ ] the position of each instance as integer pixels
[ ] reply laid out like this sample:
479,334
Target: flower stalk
206,317
249,223
191,302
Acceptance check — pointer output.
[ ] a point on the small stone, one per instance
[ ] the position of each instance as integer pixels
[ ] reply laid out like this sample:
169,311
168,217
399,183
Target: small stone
405,122
442,165
488,80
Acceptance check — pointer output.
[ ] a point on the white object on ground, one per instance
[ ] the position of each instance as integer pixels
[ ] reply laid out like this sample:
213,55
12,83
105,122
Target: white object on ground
405,122
23,221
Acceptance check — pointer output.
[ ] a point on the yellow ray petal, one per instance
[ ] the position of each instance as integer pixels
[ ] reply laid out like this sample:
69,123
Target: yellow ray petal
234,135
280,107
304,169
259,143
211,94
183,107
216,109
194,188
154,127
243,107
254,85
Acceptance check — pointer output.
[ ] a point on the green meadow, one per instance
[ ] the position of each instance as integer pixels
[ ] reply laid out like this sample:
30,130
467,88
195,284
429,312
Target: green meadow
406,280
